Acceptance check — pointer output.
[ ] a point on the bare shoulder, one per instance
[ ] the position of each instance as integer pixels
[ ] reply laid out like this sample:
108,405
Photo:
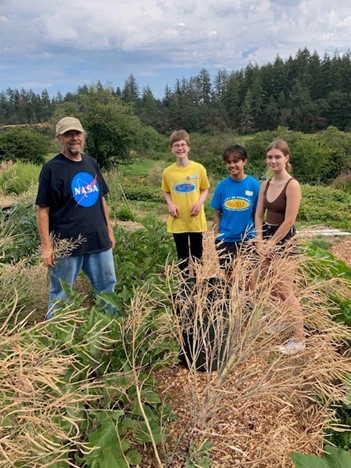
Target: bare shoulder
263,185
293,187
294,183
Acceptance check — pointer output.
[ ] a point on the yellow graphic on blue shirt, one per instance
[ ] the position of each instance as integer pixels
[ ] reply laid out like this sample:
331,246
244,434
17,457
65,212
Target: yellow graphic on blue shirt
237,204
85,189
184,187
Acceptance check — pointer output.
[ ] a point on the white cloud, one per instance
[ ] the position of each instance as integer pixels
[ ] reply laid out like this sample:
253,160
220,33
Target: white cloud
148,36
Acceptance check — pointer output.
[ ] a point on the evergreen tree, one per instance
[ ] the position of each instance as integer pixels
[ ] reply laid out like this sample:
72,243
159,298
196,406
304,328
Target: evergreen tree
149,108
130,92
247,117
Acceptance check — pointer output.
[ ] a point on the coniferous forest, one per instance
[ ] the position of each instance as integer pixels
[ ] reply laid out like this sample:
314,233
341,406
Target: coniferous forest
305,93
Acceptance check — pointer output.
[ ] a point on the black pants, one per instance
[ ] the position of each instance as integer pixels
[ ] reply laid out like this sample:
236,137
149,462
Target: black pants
188,244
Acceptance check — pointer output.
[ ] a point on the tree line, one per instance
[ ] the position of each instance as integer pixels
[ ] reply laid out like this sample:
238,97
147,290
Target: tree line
304,93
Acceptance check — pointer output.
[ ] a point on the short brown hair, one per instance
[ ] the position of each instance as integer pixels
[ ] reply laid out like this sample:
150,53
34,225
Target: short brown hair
178,135
282,146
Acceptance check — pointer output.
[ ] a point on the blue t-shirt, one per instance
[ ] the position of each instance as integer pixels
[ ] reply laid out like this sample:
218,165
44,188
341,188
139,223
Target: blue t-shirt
237,200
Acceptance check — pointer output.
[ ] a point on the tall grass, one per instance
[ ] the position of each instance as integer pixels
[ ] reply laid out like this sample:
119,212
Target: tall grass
221,323
18,178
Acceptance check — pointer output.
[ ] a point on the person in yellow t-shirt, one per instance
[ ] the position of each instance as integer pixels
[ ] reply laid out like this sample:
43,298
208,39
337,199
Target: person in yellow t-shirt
185,186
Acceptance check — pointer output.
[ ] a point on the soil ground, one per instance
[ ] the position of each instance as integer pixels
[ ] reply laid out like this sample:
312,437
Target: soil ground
342,251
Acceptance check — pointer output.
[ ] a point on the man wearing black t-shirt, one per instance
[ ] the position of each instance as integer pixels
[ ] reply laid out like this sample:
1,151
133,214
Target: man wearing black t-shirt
71,205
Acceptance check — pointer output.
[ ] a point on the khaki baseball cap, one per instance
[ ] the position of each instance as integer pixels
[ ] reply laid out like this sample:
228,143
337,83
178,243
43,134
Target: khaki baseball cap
68,123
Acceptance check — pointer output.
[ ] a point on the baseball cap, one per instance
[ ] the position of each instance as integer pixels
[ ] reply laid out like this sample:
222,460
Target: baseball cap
68,123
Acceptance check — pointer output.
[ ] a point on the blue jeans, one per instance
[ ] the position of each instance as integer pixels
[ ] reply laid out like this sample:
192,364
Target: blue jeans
99,267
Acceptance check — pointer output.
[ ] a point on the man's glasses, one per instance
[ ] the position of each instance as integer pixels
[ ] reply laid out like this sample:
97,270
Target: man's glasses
181,145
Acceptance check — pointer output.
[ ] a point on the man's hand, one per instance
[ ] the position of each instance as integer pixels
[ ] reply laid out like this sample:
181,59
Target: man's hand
112,238
47,255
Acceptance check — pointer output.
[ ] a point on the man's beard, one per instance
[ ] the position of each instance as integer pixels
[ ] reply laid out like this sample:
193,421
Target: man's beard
75,151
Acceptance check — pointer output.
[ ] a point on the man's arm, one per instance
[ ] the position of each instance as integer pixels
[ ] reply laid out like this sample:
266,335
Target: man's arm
111,234
47,253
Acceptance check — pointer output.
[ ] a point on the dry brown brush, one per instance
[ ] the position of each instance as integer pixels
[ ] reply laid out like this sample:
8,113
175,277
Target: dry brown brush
254,403
39,417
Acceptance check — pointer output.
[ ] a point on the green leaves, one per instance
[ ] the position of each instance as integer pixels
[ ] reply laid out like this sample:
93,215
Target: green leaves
198,455
335,458
105,449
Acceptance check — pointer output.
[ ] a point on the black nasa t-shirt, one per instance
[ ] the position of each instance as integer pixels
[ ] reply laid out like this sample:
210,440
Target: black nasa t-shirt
73,191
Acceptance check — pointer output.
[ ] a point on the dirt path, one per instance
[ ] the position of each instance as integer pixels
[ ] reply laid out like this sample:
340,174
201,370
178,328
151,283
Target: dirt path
342,251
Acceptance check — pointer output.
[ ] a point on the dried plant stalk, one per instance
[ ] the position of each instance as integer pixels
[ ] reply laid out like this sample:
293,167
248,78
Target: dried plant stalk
232,333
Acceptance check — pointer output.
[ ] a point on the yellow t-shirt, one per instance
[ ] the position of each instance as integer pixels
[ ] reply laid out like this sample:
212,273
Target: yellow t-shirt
184,185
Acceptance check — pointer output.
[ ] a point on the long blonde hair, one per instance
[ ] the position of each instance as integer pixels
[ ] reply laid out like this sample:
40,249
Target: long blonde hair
282,146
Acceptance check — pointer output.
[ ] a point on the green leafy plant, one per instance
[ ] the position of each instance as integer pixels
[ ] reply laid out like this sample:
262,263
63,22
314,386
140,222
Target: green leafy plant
124,213
335,458
198,456
140,256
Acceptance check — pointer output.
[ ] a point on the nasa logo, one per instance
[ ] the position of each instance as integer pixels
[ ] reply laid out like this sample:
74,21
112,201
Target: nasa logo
85,189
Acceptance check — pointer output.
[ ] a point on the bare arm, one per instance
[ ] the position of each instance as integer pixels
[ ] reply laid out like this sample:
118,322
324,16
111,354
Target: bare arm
260,212
197,207
172,209
216,220
293,199
47,253
109,224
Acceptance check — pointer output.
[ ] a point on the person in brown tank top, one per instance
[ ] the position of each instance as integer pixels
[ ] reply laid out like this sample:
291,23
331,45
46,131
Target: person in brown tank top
278,203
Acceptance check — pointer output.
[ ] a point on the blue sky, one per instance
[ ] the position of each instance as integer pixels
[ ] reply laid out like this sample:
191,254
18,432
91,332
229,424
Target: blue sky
62,44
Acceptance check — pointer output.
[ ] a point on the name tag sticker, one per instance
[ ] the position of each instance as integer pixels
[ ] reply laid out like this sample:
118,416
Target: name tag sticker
249,193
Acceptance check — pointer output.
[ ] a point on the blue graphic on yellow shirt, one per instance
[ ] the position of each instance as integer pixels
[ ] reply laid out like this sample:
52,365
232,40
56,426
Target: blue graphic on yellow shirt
85,189
184,187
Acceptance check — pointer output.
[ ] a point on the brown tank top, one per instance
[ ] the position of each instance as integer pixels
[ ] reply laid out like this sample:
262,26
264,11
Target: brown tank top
276,209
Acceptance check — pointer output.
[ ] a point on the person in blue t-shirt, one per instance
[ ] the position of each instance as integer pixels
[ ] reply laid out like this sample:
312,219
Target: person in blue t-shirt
234,202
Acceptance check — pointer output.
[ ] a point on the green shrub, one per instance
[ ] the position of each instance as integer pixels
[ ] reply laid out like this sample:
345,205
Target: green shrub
142,193
343,182
149,142
124,213
315,158
18,178
325,205
154,177
18,144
